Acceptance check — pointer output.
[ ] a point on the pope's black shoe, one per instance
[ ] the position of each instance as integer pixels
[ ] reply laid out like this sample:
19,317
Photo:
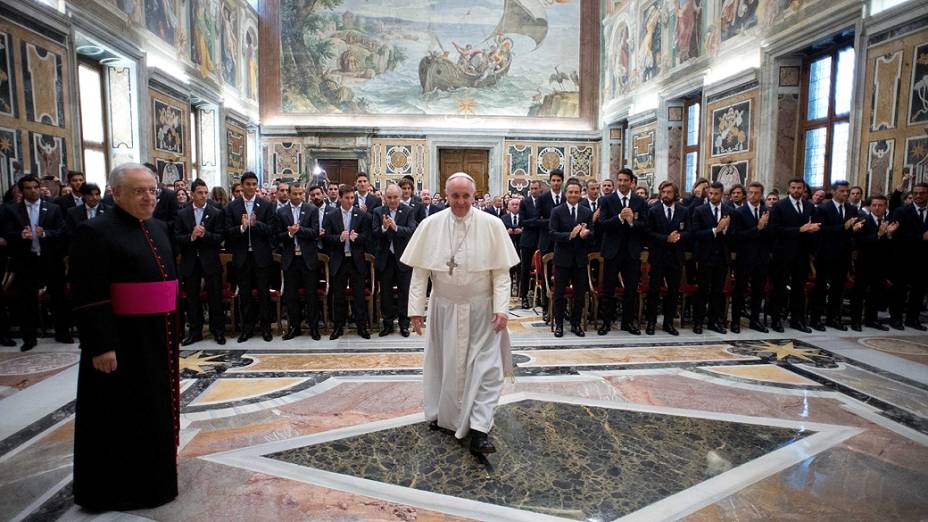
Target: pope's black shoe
480,443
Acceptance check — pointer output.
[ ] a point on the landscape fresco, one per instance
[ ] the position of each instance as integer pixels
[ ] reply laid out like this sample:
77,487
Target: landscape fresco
481,58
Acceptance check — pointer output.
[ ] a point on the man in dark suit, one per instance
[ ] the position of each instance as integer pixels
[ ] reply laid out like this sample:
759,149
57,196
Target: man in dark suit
364,198
793,231
710,224
698,194
667,228
33,230
393,224
594,201
249,222
751,234
428,206
530,221
69,201
496,208
909,280
874,246
200,230
90,207
297,232
546,203
514,229
346,235
570,227
623,217
835,242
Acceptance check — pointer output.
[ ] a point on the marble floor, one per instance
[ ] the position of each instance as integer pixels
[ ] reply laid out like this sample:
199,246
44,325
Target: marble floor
824,427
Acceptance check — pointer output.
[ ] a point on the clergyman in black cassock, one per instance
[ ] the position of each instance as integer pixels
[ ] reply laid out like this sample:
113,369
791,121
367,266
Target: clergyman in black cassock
124,291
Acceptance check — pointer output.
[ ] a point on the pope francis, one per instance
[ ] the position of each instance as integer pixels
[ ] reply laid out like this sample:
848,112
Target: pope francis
467,254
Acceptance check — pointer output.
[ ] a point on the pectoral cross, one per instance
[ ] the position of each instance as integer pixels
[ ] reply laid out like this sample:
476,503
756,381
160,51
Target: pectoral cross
451,266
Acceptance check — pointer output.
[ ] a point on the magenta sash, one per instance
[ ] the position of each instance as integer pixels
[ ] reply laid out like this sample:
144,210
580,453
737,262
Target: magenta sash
144,298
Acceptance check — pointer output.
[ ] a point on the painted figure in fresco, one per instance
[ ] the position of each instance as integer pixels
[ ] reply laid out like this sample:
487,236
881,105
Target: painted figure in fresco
161,18
48,154
729,176
687,30
651,43
168,129
205,35
251,64
622,63
229,45
731,135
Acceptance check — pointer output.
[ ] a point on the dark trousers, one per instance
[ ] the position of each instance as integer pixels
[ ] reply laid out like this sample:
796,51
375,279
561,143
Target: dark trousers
869,286
562,276
711,280
193,286
525,270
659,276
830,276
348,273
793,273
298,276
909,285
631,272
253,277
27,281
754,276
394,306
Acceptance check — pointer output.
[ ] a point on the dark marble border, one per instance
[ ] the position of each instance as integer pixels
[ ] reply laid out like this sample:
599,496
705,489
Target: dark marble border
747,380
898,31
33,430
56,506
312,381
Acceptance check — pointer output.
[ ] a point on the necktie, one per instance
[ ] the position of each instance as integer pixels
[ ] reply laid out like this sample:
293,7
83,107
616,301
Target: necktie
879,221
249,207
346,220
593,206
515,221
921,214
841,211
557,200
33,222
756,213
799,207
393,217
573,214
716,215
624,201
199,215
669,214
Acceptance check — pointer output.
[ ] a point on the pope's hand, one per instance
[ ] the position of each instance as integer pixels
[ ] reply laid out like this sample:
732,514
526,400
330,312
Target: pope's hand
416,322
105,362
499,322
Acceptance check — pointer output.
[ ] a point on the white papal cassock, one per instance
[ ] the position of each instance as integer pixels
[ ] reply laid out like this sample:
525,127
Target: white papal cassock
465,359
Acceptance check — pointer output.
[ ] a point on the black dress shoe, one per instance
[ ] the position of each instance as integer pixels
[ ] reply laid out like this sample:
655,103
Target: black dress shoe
480,443
28,345
670,329
632,329
6,341
803,328
917,325
291,333
777,327
876,326
836,325
856,327
896,325
362,331
817,326
190,339
604,329
717,328
64,339
337,332
559,331
220,339
266,334
649,328
525,304
385,331
404,331
246,334
757,326
697,328
314,333
545,317
735,327
577,330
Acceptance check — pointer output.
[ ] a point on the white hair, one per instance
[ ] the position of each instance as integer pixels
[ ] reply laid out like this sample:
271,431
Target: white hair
394,186
118,174
461,175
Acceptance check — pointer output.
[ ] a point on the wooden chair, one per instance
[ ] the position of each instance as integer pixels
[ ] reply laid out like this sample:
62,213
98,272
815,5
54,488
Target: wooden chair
322,289
594,275
547,262
536,274
228,295
370,285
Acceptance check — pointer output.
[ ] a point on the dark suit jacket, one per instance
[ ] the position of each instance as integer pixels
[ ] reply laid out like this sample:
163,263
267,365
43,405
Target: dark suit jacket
424,212
753,244
65,202
873,252
570,252
77,215
618,236
17,218
498,212
531,222
370,201
205,248
166,208
660,251
834,241
507,221
708,247
784,227
308,235
545,208
261,234
908,237
333,225
405,226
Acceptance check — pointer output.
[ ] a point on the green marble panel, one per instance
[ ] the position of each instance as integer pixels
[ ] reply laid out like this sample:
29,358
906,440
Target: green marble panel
566,460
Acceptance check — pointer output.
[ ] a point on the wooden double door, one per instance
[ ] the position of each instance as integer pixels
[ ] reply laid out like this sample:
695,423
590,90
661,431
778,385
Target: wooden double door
472,161
340,171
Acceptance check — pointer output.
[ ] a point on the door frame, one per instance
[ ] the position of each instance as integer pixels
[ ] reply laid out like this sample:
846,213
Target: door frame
492,144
